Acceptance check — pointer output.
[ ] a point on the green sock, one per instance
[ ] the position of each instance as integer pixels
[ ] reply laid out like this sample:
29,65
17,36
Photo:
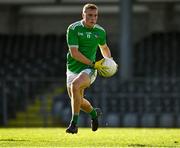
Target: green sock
75,118
93,114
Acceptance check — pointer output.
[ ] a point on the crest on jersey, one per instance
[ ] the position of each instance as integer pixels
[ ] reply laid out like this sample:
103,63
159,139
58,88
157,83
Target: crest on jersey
96,35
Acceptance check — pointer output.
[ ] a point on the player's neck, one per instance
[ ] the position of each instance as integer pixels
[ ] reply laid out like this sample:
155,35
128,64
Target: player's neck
85,25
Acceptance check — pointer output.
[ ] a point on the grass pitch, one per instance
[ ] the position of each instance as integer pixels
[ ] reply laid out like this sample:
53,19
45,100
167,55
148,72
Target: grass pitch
104,137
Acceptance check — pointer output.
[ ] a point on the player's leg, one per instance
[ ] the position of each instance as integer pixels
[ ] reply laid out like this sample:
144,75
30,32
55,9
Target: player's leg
85,104
93,112
80,82
72,127
87,107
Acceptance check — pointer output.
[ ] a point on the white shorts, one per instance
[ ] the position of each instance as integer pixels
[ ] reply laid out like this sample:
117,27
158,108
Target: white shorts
71,76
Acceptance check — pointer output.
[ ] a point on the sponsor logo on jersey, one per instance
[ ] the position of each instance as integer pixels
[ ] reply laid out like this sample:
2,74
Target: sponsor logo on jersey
80,34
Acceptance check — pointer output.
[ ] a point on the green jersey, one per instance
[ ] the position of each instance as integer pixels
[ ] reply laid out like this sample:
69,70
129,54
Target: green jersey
86,40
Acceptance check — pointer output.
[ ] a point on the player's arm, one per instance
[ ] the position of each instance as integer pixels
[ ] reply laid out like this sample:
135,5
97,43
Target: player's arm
105,51
80,57
76,54
72,41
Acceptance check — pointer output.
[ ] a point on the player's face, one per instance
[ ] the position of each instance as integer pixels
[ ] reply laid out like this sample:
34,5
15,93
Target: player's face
90,17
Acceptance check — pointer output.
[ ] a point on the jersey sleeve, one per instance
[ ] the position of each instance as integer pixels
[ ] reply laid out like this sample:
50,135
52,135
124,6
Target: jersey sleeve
102,39
71,36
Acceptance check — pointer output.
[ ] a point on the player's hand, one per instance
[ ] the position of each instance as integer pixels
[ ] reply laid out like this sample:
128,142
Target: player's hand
102,72
98,64
100,68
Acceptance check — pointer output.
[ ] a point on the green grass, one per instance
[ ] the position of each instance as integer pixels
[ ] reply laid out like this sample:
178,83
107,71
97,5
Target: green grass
104,137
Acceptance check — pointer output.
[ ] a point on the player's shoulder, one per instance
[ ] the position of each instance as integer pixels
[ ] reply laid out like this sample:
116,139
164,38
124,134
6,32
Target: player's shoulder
100,28
75,25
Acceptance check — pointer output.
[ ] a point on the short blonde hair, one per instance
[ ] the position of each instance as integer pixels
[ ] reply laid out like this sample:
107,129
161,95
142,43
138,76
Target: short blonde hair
89,6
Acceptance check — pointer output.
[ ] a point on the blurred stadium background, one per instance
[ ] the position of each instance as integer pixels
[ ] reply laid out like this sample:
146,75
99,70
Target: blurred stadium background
144,38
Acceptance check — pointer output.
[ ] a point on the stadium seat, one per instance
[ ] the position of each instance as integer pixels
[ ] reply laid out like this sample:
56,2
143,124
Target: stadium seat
130,120
148,120
166,120
112,119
